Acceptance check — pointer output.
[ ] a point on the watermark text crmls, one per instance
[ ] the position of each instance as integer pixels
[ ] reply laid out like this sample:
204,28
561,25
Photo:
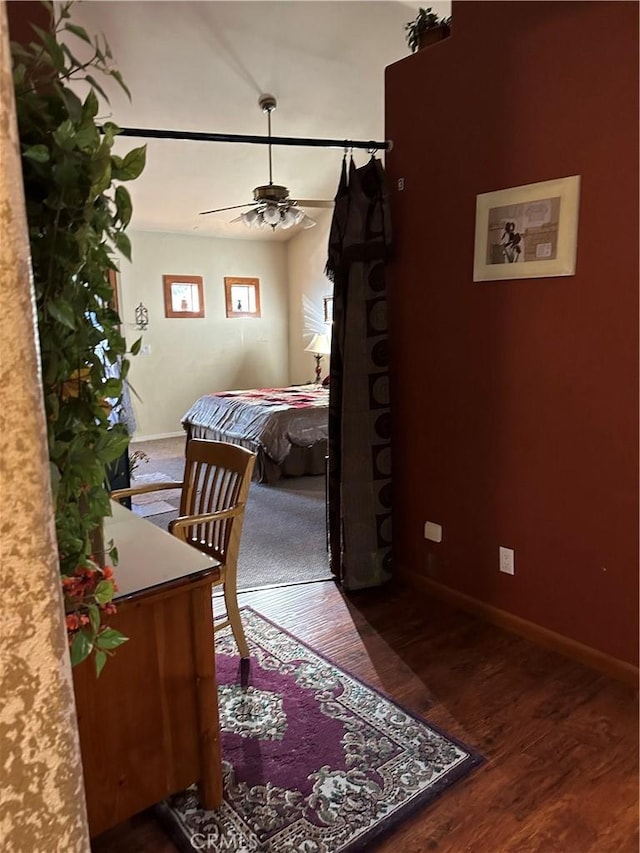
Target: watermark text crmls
211,841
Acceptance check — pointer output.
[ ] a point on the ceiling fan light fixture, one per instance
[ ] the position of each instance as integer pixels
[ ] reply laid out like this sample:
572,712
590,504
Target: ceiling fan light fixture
297,215
271,215
249,217
288,218
273,207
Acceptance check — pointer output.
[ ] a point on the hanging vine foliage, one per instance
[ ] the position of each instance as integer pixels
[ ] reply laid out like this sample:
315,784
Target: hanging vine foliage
77,214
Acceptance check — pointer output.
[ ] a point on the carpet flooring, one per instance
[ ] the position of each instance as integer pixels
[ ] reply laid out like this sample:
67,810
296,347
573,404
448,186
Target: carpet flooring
284,533
313,759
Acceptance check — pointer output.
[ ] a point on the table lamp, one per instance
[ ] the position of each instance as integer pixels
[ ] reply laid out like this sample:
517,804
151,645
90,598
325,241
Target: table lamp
319,345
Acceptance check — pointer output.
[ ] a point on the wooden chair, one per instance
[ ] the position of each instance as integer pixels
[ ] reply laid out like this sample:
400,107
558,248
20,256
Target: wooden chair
214,492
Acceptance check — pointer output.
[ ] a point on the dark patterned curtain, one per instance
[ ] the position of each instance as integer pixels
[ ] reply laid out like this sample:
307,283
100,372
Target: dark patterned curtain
359,419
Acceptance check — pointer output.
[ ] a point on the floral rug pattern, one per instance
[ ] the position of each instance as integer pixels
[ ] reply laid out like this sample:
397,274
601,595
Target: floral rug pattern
314,761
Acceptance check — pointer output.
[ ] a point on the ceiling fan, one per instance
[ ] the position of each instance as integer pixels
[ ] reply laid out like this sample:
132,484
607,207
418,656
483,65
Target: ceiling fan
271,205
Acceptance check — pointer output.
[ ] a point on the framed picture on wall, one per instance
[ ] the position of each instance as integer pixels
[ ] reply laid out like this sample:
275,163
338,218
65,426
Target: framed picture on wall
327,308
527,232
183,296
242,296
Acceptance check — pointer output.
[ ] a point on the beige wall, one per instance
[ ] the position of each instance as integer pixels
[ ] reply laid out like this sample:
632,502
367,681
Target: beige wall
191,357
42,791
308,284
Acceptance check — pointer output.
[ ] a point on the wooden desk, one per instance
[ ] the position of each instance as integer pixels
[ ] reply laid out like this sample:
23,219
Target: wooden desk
149,724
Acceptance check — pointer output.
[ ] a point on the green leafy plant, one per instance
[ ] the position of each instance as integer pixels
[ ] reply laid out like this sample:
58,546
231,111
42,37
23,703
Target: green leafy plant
77,213
424,20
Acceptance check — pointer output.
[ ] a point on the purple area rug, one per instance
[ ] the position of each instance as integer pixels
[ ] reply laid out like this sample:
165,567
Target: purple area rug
314,761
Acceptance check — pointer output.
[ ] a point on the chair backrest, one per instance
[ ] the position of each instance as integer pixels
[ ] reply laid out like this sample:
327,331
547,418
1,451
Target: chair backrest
217,476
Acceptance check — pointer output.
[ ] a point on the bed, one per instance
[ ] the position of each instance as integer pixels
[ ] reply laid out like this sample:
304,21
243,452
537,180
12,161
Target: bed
286,427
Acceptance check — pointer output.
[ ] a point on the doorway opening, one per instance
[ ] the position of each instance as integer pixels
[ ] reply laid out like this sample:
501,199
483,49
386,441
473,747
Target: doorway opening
284,534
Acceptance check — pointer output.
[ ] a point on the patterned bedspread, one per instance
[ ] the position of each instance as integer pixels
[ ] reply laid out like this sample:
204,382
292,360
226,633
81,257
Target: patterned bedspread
273,419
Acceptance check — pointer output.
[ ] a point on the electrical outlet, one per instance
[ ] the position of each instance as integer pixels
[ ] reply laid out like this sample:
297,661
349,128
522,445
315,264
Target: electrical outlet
400,184
433,531
507,564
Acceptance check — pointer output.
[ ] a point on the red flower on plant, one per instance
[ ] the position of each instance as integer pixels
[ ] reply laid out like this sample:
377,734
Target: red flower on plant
73,622
80,593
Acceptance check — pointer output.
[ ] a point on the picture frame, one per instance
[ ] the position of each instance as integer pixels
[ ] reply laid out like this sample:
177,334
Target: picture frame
529,231
242,296
183,296
327,308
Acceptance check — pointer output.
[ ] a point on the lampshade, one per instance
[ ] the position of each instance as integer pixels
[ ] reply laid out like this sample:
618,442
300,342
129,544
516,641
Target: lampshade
277,215
319,344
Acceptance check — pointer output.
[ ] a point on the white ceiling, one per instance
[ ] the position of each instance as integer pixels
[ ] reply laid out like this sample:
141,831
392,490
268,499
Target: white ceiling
203,65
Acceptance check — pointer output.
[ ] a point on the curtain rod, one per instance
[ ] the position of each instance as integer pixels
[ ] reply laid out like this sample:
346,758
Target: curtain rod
199,136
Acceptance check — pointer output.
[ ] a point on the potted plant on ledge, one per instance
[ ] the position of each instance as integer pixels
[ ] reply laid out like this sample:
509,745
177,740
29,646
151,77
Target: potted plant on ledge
426,28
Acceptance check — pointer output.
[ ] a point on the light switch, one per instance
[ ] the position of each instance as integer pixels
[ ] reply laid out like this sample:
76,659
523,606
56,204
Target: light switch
433,531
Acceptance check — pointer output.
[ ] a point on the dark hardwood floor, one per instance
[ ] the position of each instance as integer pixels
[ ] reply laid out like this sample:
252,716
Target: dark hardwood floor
561,740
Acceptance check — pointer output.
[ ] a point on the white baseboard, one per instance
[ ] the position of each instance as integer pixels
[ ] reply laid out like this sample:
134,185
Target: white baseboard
136,438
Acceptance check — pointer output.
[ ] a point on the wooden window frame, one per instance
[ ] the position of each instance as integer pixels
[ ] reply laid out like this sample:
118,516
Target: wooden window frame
169,281
327,309
233,281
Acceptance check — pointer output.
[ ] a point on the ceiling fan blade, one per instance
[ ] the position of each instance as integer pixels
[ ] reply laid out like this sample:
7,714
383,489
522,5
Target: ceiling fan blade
220,209
315,202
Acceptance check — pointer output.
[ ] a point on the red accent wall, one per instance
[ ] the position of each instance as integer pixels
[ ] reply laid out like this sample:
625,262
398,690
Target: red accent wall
516,403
